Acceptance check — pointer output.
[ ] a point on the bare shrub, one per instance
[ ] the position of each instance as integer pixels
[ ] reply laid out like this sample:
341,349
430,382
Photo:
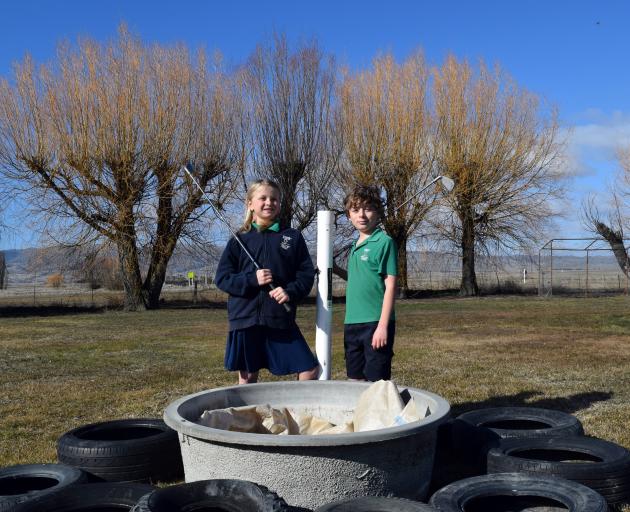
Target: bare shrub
100,269
54,281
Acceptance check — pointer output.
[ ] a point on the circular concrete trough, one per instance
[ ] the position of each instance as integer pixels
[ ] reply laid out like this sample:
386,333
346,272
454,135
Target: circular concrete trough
309,471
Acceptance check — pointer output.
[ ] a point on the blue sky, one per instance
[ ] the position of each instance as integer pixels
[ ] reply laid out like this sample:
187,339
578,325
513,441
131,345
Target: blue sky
575,53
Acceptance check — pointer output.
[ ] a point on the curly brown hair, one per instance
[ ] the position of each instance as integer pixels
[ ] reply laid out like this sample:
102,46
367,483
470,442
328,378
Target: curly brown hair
364,195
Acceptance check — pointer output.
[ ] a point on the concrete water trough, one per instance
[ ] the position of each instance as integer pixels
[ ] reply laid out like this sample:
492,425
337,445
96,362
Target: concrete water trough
309,471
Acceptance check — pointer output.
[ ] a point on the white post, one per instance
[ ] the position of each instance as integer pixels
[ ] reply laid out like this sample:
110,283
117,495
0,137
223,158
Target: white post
323,340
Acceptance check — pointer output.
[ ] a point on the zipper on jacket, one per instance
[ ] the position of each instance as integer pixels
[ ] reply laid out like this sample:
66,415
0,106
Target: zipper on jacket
260,293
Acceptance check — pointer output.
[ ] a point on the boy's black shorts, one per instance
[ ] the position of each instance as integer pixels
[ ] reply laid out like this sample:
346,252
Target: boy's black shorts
362,361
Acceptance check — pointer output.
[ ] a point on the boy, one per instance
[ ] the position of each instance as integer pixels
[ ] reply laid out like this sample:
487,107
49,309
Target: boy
369,325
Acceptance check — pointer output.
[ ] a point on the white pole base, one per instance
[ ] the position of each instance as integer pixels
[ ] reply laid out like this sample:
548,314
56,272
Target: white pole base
323,319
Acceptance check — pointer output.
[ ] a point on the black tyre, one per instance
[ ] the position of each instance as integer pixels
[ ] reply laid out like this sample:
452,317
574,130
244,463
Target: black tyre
27,481
103,497
484,428
517,491
598,464
134,450
224,495
375,504
519,422
456,454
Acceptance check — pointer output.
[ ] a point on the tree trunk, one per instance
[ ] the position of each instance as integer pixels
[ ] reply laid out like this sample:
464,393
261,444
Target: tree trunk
156,274
166,235
468,286
286,212
135,298
3,272
615,241
340,271
153,285
401,281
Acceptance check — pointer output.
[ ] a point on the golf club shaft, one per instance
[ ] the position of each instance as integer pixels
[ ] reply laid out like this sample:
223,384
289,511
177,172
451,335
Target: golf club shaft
234,234
418,193
446,182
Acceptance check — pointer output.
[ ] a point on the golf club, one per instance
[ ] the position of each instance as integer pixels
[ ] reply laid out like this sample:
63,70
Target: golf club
234,234
446,182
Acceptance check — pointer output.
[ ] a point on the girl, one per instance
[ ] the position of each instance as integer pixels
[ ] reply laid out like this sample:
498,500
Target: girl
263,334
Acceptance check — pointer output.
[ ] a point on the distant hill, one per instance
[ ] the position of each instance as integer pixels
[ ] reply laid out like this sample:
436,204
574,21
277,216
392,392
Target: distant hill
28,265
202,260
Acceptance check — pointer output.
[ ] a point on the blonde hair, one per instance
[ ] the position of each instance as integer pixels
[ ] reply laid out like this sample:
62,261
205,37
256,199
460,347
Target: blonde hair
251,190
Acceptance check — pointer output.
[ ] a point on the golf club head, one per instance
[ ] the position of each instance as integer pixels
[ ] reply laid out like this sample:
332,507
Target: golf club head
447,183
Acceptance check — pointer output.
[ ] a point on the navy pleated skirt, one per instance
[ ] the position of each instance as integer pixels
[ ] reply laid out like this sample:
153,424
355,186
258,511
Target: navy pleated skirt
281,351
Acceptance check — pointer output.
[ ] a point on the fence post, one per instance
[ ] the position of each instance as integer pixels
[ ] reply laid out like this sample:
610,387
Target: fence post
586,286
539,274
551,271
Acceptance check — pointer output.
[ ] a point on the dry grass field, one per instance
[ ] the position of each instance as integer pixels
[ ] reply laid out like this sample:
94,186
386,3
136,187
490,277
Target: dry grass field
63,370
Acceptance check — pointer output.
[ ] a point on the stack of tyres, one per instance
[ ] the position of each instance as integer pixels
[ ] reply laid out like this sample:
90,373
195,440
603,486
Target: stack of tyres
131,450
598,464
463,443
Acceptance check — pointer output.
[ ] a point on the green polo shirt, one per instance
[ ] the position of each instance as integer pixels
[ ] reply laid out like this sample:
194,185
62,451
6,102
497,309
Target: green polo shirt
368,265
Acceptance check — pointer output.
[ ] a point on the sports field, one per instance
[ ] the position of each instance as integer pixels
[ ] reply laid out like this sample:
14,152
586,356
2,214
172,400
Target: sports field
65,370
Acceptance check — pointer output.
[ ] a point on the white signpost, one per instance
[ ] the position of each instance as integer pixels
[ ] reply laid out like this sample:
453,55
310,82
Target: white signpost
323,320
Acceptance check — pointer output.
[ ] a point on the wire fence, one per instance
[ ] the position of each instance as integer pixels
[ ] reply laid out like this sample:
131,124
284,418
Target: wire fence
582,266
179,289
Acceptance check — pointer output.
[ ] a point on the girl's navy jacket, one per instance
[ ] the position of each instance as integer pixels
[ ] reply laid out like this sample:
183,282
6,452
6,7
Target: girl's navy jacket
284,253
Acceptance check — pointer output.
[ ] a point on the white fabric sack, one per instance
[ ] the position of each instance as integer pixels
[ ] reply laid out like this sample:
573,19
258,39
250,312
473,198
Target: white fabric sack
344,428
377,407
311,425
234,419
255,419
278,421
410,413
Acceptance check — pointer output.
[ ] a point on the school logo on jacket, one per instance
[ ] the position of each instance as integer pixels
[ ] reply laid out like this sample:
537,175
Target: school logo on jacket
285,242
364,256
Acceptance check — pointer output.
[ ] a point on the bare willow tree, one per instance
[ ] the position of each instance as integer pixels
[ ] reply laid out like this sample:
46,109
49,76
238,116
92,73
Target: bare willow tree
612,222
611,226
98,138
494,139
291,124
385,126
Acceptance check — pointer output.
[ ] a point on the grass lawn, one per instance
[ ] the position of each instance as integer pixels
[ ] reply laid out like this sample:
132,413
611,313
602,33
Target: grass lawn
59,372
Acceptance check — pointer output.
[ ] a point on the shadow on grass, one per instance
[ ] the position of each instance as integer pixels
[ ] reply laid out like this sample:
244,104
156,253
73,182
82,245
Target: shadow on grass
222,304
62,310
431,294
24,311
569,404
187,304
